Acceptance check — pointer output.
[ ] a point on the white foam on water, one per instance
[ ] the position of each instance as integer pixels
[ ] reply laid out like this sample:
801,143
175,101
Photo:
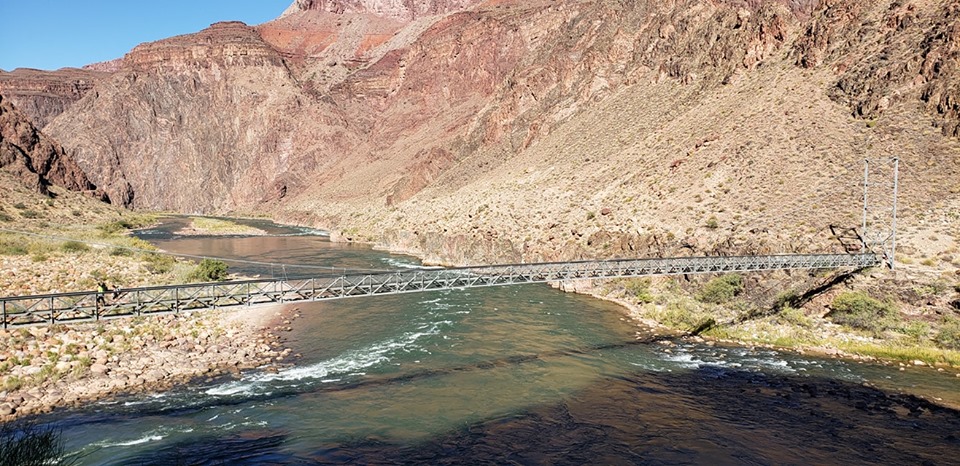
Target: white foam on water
401,264
139,441
349,363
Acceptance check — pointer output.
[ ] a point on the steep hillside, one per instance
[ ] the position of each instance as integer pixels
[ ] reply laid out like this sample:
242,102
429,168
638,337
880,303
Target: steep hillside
649,128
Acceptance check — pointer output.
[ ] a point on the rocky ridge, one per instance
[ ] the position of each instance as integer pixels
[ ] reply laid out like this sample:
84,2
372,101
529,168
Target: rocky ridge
406,10
33,158
43,95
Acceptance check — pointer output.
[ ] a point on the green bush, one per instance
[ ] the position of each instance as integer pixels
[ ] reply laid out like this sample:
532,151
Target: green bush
916,331
948,337
158,263
74,246
121,252
19,205
209,270
858,310
640,289
794,316
712,223
721,289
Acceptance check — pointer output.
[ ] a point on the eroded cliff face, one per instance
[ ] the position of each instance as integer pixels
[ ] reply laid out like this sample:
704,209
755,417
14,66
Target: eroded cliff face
405,10
43,95
33,158
199,123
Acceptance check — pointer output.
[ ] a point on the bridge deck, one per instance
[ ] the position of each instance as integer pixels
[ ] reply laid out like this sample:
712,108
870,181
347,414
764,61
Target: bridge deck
84,307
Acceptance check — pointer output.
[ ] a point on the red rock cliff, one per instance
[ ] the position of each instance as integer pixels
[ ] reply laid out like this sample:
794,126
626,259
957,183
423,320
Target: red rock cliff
43,95
33,158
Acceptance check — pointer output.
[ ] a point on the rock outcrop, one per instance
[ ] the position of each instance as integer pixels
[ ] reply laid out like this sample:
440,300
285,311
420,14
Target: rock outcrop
216,118
43,95
33,158
405,10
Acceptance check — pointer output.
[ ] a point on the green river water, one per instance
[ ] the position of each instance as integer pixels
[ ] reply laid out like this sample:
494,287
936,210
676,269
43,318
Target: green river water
509,375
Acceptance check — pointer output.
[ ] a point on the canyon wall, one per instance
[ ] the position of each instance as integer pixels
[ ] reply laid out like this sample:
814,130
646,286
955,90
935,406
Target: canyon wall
43,95
33,158
515,130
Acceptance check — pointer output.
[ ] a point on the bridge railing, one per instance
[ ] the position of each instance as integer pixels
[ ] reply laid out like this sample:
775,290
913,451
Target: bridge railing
91,306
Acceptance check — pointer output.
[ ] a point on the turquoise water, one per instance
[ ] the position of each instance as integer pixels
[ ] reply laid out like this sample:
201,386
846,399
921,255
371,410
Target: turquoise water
522,374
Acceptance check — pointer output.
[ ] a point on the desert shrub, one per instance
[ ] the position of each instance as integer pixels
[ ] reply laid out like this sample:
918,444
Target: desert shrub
158,263
30,213
110,228
916,331
948,337
74,246
640,289
794,316
683,315
20,206
121,252
209,270
12,247
721,289
858,310
5,217
712,223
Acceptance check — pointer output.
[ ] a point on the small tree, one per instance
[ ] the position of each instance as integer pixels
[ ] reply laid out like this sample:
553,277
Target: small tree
721,289
858,310
209,270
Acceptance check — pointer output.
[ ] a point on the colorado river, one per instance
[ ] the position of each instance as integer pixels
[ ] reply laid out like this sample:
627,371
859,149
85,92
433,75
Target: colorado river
523,374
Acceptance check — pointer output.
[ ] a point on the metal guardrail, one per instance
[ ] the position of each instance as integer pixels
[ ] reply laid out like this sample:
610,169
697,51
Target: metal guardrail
90,306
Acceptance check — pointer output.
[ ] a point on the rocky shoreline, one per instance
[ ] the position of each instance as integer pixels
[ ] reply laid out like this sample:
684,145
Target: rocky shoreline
63,367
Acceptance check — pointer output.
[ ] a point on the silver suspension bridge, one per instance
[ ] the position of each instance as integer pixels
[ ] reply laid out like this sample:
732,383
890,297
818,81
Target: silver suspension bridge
91,306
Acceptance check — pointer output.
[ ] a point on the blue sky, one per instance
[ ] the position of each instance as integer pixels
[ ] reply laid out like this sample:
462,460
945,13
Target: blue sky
52,34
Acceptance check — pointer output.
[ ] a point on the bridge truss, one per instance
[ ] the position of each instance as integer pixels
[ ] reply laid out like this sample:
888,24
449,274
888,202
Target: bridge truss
91,306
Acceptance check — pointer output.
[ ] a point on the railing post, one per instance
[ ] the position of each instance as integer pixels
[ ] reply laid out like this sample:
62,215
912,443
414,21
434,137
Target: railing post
4,306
